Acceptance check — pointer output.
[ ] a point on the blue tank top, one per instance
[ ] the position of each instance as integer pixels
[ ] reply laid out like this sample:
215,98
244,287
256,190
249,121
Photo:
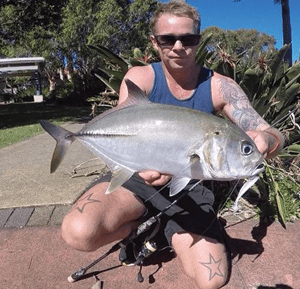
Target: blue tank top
200,99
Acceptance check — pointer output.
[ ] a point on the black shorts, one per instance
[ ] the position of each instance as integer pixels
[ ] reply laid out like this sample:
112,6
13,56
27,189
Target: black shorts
193,213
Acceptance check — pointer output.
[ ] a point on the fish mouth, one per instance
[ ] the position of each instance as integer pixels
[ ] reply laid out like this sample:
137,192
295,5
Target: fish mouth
259,168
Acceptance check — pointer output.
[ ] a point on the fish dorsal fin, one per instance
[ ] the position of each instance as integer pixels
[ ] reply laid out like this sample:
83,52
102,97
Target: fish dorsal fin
119,177
135,97
135,94
178,184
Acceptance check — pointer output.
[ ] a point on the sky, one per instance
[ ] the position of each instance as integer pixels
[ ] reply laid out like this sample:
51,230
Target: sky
263,15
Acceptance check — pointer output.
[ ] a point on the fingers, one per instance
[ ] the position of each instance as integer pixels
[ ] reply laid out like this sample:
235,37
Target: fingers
155,178
149,176
261,141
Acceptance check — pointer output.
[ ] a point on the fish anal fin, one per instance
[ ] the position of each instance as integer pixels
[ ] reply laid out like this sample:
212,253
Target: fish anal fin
119,177
178,184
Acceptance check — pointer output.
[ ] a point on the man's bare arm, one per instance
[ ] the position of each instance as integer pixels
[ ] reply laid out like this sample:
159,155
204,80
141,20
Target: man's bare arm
238,108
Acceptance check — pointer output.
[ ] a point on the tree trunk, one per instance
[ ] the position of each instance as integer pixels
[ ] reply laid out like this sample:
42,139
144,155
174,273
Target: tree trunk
52,83
287,30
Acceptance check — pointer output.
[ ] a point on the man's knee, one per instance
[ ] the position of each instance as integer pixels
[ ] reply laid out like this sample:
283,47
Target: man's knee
101,225
211,276
210,284
203,259
81,234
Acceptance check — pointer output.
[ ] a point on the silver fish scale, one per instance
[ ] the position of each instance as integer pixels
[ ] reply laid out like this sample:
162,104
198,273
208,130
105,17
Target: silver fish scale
150,136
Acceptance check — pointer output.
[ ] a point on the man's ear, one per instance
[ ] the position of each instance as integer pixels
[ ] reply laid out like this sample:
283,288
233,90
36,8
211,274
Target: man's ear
154,42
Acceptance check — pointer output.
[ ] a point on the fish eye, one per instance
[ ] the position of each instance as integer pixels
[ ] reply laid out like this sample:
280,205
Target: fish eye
247,148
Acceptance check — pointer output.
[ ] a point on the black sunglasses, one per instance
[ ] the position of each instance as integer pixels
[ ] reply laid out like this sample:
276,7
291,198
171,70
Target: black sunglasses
170,40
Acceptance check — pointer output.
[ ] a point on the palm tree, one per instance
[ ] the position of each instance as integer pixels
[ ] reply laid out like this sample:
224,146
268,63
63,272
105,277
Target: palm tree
286,27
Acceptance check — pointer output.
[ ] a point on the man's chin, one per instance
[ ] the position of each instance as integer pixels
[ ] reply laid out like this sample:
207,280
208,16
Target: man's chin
177,64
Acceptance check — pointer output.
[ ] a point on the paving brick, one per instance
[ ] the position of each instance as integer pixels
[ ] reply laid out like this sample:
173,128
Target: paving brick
4,215
40,216
58,215
19,217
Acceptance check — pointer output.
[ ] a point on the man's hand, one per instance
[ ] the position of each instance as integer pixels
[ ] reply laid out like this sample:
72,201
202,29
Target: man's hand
153,178
269,142
261,139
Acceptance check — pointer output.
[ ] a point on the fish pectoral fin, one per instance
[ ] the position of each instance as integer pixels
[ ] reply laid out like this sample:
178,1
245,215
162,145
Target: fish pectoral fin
194,158
178,184
119,177
193,153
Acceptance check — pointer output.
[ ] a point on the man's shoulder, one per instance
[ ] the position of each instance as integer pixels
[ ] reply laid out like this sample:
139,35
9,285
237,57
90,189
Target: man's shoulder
223,79
140,70
142,76
218,76
221,85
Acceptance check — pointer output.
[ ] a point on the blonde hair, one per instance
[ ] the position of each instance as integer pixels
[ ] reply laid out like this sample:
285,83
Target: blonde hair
176,8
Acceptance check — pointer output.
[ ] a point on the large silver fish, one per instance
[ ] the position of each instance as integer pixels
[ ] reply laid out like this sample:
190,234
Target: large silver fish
139,135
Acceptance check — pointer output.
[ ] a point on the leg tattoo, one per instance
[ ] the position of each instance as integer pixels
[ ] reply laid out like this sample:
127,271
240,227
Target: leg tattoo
213,266
80,205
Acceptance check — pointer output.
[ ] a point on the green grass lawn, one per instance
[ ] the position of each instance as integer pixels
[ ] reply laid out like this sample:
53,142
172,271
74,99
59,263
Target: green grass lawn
19,121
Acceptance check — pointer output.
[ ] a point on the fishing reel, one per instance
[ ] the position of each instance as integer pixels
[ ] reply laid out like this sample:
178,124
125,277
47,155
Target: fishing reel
146,250
138,249
135,253
140,253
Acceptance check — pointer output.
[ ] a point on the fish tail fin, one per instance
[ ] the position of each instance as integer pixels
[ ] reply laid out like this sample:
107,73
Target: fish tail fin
64,139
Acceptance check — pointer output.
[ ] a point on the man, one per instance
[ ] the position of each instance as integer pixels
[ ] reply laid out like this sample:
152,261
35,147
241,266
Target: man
99,219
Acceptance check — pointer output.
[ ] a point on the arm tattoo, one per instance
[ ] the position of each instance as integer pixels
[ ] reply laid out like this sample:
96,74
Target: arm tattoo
81,203
242,112
213,266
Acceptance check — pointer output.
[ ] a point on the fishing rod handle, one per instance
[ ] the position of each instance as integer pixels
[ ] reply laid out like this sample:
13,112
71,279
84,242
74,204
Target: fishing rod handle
145,226
77,275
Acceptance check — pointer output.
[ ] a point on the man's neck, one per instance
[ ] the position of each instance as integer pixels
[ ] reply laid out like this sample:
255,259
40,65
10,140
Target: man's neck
185,78
182,82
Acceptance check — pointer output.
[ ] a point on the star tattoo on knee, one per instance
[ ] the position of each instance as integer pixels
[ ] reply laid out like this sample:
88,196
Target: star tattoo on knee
85,201
213,266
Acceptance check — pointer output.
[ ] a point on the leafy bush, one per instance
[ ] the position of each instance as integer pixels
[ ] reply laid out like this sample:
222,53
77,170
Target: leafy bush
61,91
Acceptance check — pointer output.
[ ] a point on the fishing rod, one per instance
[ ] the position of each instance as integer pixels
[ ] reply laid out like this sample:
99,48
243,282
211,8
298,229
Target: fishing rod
145,226
78,274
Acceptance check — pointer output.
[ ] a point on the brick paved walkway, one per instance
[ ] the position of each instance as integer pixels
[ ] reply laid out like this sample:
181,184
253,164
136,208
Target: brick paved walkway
33,216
